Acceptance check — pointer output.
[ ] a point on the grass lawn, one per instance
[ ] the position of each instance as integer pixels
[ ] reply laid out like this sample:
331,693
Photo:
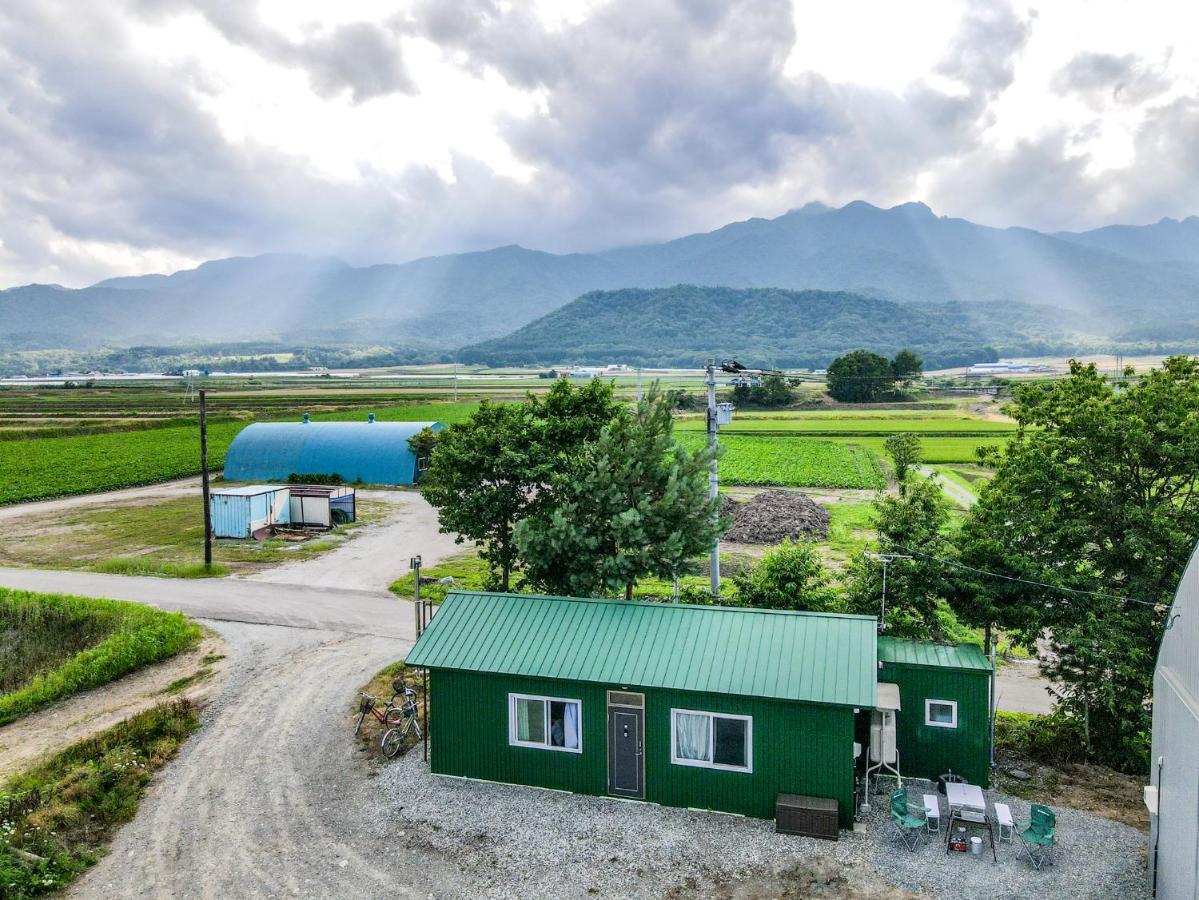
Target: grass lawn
850,529
56,818
164,537
57,645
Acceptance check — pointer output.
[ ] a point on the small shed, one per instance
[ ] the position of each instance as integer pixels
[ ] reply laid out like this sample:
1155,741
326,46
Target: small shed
943,715
322,505
367,452
248,511
682,705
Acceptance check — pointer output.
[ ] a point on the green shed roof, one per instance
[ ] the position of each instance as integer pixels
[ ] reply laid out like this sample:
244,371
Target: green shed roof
939,656
814,657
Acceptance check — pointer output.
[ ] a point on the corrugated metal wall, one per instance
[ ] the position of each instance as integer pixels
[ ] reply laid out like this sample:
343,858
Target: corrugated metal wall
927,751
230,515
797,748
1174,762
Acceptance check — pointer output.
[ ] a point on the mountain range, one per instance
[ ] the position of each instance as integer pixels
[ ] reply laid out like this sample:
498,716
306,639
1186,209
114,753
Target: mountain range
1118,283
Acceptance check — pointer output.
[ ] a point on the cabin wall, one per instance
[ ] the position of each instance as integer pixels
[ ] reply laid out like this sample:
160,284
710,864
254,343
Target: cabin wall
926,751
797,748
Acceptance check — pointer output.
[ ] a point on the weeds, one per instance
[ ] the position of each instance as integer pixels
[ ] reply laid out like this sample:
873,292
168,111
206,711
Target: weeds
56,817
58,645
148,566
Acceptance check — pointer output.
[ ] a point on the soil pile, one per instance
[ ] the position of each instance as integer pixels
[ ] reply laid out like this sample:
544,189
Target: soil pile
771,516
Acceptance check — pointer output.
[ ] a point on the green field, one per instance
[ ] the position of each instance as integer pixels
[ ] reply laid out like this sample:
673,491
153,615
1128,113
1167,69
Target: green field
38,468
934,450
793,462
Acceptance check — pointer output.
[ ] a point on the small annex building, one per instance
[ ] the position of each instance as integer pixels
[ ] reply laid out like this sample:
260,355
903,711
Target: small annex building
249,510
943,722
367,452
685,705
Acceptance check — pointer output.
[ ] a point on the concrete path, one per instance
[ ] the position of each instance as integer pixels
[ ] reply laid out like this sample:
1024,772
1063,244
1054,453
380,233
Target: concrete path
378,553
953,490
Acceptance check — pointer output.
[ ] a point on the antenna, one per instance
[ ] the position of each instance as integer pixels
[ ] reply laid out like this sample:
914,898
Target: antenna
886,559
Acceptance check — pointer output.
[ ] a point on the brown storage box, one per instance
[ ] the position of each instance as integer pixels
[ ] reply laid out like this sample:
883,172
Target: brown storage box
809,816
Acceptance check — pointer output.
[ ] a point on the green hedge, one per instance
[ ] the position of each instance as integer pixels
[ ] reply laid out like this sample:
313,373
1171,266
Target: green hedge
133,636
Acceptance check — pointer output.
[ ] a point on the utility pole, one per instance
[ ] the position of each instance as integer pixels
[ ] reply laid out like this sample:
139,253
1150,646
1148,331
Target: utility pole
994,643
204,481
455,382
886,559
414,565
713,477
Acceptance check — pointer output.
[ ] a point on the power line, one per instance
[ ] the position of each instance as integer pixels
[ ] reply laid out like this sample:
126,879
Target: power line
1052,587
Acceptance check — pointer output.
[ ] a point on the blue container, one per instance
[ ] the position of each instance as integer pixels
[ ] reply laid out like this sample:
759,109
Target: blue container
240,512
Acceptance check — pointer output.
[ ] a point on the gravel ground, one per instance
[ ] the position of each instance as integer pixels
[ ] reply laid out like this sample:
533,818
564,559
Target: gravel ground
515,841
1094,858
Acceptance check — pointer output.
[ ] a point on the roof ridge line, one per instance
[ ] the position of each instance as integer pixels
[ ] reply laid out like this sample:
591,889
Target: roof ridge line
649,603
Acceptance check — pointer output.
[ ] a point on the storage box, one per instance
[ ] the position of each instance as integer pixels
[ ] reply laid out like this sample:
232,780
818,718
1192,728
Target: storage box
809,816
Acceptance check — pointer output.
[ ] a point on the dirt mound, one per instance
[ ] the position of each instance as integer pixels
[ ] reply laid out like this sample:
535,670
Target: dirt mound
771,516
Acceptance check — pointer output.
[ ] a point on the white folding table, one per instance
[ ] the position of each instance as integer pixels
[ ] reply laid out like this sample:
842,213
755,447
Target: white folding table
967,805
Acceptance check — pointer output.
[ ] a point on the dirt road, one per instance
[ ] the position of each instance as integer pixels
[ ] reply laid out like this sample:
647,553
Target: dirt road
181,488
269,798
953,490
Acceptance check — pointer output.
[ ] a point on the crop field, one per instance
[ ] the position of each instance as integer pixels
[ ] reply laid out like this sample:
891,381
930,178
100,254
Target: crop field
958,425
934,450
39,468
793,462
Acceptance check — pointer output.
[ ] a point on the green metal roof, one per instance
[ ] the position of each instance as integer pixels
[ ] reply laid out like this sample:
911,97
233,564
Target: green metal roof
814,657
925,653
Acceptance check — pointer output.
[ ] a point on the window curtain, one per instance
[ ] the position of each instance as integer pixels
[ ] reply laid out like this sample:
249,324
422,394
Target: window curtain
530,721
692,734
571,723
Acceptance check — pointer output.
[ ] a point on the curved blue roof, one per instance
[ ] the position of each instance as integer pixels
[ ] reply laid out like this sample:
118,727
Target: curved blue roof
370,452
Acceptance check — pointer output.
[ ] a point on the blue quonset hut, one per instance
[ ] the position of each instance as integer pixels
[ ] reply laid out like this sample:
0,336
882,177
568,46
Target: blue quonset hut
369,452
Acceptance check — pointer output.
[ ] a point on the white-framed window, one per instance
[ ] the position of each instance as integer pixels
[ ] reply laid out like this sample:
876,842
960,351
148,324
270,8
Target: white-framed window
711,740
941,713
548,723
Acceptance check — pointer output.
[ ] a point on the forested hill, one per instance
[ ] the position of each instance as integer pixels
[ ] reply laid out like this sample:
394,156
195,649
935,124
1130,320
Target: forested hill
684,324
1139,282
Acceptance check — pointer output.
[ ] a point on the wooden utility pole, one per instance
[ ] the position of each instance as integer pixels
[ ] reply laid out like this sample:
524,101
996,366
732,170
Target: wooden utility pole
204,481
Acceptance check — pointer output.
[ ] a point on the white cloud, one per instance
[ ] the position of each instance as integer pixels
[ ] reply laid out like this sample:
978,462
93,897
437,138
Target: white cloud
146,134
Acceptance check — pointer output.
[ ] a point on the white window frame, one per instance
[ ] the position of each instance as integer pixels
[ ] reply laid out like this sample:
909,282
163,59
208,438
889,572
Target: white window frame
928,713
514,742
708,763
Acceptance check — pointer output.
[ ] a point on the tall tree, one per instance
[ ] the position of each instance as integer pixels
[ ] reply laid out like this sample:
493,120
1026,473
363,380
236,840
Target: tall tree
1096,492
634,505
860,377
904,449
910,525
906,366
488,473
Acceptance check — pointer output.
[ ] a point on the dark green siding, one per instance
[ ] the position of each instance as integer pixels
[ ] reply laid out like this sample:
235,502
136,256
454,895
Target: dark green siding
927,751
797,748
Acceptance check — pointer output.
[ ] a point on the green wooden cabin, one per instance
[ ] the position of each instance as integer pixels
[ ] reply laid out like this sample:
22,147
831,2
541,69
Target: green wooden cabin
943,722
684,705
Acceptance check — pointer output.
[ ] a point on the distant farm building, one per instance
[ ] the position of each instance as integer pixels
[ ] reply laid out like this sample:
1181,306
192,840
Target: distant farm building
365,452
256,510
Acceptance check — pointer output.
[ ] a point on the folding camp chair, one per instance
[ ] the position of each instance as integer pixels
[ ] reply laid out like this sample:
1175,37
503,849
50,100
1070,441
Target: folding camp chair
908,820
1039,834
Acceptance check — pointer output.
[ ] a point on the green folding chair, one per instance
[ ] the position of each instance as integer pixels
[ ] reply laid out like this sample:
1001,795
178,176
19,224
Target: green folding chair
908,820
1039,834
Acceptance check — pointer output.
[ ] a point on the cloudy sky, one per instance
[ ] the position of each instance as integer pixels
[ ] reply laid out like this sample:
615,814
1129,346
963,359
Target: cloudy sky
148,135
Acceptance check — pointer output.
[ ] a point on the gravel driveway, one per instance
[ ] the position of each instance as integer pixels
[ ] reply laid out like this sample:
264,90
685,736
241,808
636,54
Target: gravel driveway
516,841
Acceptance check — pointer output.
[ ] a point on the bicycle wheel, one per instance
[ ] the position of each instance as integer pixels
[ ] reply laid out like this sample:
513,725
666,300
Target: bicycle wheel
361,716
395,716
393,739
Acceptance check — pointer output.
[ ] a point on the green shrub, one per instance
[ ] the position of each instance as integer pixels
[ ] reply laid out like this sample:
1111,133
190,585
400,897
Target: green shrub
64,644
1053,739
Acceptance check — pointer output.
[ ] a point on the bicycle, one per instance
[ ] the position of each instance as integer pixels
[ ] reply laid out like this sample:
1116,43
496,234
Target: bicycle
398,720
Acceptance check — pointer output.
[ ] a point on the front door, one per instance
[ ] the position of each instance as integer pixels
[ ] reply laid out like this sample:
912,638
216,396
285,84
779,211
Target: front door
626,753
